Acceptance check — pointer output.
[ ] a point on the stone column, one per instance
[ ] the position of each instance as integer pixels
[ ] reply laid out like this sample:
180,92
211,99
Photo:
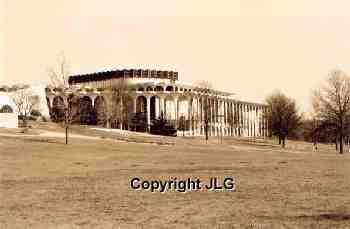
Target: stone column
176,111
245,109
263,126
135,104
190,115
156,106
65,100
267,128
148,113
162,106
210,126
216,116
93,97
246,120
50,98
249,119
239,111
235,117
243,119
256,121
259,121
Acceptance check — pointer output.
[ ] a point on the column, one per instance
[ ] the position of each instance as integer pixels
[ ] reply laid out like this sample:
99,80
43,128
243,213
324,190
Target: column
235,118
65,100
92,97
243,119
134,104
190,115
267,127
216,117
162,106
176,111
50,98
259,121
148,113
156,106
197,117
245,111
211,117
256,121
249,120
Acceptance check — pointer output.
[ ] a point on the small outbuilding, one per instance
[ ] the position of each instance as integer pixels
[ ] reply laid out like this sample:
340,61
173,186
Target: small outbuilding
8,112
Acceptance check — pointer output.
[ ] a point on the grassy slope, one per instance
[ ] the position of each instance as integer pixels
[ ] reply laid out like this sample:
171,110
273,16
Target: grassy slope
86,185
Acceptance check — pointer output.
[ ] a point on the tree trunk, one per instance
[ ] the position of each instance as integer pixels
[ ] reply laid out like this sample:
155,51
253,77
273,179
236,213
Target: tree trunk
283,141
67,135
24,121
336,144
341,143
108,124
206,132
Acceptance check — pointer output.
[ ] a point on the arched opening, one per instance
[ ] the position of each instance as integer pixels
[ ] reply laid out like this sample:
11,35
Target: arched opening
86,111
141,104
149,89
169,110
183,114
6,109
169,88
154,107
100,111
57,112
139,121
159,88
140,89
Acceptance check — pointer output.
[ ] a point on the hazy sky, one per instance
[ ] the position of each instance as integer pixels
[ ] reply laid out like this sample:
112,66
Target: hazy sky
249,47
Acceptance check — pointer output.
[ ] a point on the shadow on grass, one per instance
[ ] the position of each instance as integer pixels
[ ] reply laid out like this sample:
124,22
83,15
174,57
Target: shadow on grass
317,217
35,139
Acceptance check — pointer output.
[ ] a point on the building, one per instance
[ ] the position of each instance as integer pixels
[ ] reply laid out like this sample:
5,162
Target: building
160,92
8,112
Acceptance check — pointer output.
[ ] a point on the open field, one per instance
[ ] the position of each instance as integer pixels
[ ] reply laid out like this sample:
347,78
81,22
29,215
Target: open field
86,184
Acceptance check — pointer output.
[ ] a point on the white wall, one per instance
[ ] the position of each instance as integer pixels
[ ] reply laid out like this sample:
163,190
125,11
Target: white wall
8,120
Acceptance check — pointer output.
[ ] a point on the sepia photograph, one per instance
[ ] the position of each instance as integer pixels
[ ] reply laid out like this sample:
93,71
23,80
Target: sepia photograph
174,114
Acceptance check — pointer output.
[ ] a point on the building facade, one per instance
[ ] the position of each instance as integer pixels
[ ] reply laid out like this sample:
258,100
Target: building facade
157,93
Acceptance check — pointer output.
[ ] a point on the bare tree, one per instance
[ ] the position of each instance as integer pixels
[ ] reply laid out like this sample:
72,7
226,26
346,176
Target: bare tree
71,111
282,116
332,105
59,73
118,104
206,87
67,111
25,101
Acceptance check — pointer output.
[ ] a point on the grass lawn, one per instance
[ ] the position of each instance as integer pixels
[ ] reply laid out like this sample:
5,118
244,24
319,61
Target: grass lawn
86,184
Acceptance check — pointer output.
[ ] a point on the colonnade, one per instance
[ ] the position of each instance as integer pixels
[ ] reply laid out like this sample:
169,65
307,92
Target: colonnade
223,116
226,117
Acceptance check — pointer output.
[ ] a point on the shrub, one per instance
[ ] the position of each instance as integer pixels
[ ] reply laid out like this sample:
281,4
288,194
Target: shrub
162,127
35,113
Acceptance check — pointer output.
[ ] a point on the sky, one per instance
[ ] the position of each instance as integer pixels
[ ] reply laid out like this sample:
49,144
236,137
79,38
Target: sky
249,47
